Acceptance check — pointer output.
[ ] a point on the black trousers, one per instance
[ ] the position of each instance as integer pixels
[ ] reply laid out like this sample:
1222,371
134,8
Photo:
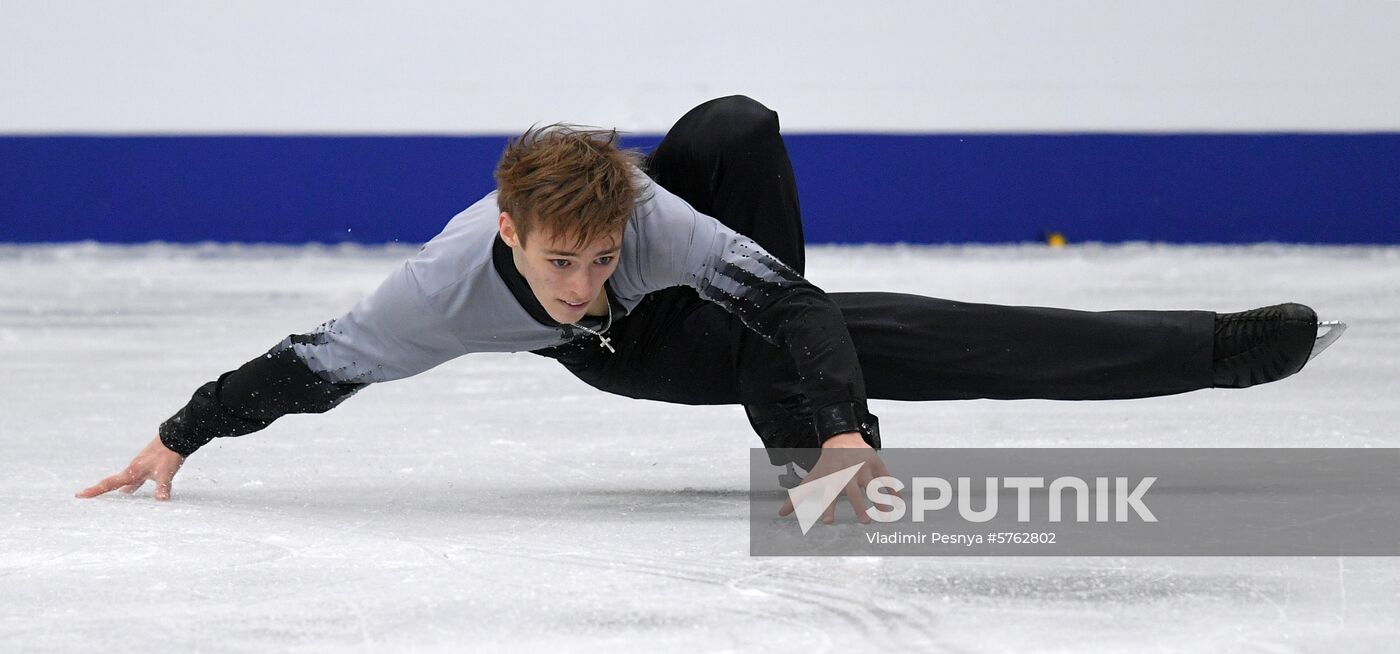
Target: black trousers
727,159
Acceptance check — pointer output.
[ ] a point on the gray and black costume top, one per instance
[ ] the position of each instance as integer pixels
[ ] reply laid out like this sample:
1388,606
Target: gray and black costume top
461,294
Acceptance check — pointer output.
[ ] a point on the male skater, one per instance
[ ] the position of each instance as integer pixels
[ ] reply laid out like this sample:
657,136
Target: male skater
684,284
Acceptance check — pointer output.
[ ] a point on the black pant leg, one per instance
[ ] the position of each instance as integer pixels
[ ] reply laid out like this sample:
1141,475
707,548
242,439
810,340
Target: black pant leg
727,159
920,348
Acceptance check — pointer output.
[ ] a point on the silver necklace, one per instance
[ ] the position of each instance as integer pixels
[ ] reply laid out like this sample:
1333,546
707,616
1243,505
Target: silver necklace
602,340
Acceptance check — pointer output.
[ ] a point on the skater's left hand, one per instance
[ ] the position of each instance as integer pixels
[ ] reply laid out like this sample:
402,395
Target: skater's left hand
838,453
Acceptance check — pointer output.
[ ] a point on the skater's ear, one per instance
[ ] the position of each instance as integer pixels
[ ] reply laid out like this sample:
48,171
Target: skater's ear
508,233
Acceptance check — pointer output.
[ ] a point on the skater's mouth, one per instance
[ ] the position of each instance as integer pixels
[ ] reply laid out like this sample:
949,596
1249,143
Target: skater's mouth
576,305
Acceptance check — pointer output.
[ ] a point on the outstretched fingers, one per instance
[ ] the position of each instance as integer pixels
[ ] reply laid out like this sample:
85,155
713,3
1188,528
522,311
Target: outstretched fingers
163,479
127,477
156,463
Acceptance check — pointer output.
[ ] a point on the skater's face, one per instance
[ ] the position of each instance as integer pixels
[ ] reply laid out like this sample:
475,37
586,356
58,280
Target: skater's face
567,278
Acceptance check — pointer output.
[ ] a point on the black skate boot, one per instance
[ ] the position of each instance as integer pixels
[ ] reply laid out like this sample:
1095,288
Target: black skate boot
1262,345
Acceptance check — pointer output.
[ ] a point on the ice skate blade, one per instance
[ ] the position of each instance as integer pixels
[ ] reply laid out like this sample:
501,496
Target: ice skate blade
1334,330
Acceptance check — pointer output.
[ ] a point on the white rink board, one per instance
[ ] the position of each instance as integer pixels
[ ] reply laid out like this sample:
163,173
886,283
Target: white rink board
497,502
438,66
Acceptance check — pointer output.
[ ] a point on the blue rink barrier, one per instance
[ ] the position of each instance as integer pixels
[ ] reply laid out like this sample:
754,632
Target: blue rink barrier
1186,188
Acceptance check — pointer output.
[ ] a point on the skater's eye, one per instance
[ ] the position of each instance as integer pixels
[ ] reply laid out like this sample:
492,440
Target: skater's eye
559,263
603,261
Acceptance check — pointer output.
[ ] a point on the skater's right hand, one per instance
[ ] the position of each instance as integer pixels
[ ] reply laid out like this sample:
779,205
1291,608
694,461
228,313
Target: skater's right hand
840,452
154,463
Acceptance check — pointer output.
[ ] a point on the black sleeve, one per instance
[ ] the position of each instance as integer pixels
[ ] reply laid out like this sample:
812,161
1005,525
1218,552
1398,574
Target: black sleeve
250,398
676,245
791,312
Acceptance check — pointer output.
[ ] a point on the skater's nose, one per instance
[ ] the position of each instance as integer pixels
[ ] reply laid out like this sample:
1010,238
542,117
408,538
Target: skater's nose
579,288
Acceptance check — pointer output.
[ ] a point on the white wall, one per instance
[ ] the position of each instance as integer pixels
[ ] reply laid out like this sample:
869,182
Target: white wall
458,67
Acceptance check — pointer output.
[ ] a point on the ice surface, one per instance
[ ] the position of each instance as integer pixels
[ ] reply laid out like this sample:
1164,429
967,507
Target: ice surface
496,502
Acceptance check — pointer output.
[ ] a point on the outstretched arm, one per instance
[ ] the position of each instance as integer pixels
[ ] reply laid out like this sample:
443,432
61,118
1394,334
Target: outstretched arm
239,402
248,399
391,334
